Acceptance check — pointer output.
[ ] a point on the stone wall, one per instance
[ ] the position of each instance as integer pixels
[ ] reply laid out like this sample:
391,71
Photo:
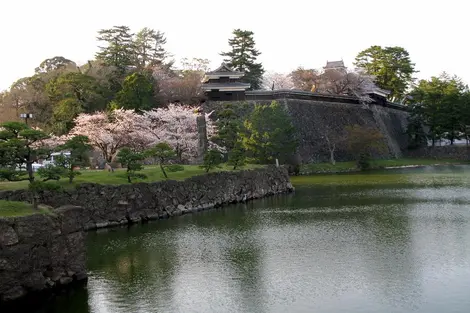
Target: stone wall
40,252
441,152
312,118
106,205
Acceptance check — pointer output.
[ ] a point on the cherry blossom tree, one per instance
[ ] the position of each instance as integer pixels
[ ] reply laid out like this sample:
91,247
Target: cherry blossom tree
347,83
183,85
277,80
51,142
177,126
343,82
111,131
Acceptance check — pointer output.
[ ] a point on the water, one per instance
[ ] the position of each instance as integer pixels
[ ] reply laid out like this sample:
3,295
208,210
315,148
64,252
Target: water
382,242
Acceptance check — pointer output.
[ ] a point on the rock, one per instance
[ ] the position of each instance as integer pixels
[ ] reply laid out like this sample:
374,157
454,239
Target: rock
56,276
65,280
49,283
102,225
8,236
14,293
5,265
81,276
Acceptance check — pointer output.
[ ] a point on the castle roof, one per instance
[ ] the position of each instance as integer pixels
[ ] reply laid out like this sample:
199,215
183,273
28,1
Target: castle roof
334,64
224,70
381,92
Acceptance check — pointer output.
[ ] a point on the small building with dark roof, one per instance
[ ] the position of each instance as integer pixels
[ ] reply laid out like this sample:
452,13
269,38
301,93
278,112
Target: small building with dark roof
334,65
224,84
380,95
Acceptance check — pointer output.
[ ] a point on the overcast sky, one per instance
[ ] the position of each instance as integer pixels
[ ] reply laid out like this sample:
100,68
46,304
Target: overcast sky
288,33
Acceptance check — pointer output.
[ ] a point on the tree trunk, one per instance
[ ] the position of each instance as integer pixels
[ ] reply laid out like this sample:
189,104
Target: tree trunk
332,157
35,200
29,169
163,171
129,176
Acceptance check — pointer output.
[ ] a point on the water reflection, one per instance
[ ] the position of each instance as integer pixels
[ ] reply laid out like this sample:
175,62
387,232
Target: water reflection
329,248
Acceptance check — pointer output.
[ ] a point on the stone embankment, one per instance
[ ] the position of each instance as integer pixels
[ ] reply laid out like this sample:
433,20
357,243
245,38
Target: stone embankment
317,119
41,253
444,152
106,205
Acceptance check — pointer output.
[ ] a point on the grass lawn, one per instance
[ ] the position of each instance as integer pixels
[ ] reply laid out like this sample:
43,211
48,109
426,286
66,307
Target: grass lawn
119,176
16,208
375,164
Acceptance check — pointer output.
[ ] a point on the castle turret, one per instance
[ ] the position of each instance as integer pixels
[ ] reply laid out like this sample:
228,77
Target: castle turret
224,84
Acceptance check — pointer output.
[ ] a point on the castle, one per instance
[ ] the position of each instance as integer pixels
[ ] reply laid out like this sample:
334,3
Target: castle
314,114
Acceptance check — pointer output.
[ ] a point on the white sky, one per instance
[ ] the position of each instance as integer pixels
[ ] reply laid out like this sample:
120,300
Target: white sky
288,33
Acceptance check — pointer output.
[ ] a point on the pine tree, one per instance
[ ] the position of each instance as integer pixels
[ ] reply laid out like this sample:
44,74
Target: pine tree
391,67
119,51
243,57
269,134
148,47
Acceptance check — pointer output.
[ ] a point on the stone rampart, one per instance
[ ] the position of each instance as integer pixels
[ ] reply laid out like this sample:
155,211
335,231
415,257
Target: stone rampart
108,205
40,253
441,152
318,117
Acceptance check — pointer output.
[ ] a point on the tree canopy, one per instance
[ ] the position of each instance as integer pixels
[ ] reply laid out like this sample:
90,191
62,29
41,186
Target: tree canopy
391,67
269,134
443,104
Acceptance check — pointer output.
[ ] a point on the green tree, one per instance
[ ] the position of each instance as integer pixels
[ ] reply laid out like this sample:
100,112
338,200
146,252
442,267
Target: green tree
21,146
228,126
212,159
119,47
465,117
363,142
242,57
132,161
63,115
149,48
71,94
78,148
51,172
415,129
391,66
269,134
440,103
163,152
137,92
28,94
80,87
237,157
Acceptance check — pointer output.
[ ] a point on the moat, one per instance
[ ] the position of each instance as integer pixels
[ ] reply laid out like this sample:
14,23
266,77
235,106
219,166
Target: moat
394,241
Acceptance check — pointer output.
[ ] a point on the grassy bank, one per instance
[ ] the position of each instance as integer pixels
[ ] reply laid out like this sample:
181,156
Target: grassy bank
16,208
119,176
375,164
396,179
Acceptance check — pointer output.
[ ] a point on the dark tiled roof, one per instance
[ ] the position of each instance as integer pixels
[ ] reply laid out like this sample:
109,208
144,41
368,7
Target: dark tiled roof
380,90
224,69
